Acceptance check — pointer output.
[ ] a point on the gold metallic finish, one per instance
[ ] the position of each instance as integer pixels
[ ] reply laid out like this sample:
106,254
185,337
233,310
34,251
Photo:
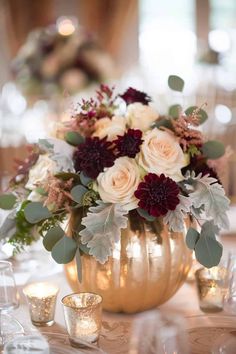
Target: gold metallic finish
83,317
41,299
146,269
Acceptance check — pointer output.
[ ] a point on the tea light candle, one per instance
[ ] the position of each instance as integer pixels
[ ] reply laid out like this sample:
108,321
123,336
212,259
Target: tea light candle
211,288
42,302
83,317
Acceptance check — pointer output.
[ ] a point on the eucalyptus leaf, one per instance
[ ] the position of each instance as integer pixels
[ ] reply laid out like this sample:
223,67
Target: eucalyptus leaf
213,149
65,176
202,115
208,251
36,212
78,192
84,248
145,214
78,265
85,180
174,110
52,237
7,201
163,122
175,83
192,237
74,138
64,250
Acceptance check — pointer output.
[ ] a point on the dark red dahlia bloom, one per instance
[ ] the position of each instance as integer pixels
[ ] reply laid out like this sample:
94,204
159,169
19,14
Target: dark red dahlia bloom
129,143
93,156
132,95
157,194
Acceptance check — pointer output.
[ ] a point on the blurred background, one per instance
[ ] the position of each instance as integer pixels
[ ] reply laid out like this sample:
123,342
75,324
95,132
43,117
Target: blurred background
53,52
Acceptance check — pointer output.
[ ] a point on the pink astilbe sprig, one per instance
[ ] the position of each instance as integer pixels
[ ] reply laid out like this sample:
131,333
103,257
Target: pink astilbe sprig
86,113
184,129
58,193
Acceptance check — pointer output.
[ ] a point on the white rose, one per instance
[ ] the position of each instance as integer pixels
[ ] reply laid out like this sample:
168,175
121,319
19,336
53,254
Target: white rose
39,172
161,153
118,183
140,116
109,127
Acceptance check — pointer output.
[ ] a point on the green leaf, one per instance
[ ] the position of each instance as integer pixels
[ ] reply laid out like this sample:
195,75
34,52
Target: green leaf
208,251
192,237
78,192
7,201
163,122
40,191
84,248
175,83
202,115
74,138
145,214
45,144
52,237
65,176
35,212
78,265
85,180
213,149
64,250
174,110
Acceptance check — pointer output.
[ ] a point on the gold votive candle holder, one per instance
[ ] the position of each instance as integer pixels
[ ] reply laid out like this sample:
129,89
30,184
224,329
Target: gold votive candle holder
83,317
41,299
211,285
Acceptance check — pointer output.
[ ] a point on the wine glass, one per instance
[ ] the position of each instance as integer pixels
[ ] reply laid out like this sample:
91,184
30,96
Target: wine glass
230,298
154,333
8,301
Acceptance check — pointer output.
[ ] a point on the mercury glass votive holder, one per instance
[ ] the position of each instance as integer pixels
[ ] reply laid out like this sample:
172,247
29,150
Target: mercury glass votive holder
83,317
41,299
212,286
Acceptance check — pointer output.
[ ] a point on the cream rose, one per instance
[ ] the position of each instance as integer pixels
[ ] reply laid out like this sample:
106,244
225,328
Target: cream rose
39,172
161,153
118,183
110,127
140,116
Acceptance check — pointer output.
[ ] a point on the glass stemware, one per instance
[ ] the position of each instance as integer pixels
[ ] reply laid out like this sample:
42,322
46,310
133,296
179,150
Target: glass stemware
230,298
8,302
156,333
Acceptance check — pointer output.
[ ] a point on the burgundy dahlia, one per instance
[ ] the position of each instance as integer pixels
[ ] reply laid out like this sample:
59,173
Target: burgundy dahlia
157,194
132,95
93,156
129,143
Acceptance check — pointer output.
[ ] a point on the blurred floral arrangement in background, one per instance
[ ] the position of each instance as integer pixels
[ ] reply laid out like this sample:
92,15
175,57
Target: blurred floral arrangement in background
60,58
115,159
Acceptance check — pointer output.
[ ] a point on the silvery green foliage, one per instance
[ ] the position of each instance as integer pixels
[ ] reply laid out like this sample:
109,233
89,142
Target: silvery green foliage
175,218
60,152
103,225
206,192
7,223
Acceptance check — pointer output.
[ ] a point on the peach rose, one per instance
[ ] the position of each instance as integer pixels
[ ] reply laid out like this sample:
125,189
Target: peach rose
161,153
109,127
118,183
140,116
40,171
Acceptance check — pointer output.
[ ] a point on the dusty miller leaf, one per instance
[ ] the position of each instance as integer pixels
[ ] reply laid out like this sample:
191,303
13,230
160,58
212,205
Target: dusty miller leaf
209,193
175,218
103,225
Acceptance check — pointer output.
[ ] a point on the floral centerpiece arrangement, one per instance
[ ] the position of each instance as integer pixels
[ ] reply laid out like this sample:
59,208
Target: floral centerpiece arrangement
118,159
50,62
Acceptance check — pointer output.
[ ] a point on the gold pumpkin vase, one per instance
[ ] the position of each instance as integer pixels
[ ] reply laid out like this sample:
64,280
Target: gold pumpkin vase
146,268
